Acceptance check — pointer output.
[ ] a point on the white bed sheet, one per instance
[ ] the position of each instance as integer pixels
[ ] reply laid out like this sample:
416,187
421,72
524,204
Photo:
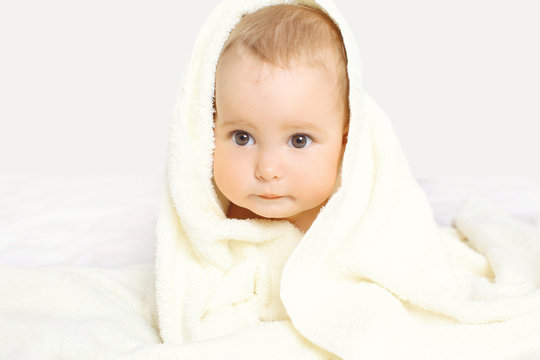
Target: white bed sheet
109,220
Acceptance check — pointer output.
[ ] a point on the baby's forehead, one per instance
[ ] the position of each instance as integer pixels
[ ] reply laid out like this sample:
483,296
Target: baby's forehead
261,68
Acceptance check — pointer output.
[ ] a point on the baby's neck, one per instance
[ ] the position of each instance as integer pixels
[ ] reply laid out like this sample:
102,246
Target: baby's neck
301,221
237,212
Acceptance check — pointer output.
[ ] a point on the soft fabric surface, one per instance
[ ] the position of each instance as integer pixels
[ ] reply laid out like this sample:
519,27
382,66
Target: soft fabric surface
374,277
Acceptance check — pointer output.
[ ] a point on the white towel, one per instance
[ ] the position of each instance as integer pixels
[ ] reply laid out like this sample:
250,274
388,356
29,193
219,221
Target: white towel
373,278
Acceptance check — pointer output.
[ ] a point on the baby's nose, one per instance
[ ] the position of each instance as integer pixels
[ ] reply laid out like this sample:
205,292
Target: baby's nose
268,166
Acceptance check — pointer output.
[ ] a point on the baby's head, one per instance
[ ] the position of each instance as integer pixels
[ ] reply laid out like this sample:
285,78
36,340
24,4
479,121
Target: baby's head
281,114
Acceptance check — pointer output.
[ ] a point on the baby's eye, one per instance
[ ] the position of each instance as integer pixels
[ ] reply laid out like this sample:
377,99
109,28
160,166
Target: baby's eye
300,141
242,138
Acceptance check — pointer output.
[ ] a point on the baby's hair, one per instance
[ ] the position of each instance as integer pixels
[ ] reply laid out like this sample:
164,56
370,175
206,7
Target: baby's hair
284,34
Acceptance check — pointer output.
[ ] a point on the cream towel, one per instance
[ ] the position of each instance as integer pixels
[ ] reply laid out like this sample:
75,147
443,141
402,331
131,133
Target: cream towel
373,278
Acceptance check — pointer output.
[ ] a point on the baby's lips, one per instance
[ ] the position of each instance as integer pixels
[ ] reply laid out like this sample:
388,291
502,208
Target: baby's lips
270,196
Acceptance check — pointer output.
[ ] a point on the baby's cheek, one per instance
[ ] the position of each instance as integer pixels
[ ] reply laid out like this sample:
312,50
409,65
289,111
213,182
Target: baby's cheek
229,171
319,176
220,168
304,174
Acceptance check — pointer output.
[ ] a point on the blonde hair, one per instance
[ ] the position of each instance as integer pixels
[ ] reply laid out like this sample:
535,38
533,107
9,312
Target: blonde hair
283,34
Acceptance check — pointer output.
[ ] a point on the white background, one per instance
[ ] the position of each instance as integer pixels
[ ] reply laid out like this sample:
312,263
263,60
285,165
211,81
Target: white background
90,86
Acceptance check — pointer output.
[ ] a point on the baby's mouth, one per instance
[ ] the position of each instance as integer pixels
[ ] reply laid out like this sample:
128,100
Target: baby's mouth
269,196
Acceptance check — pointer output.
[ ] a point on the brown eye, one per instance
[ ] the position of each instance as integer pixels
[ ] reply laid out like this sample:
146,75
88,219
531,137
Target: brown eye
241,138
300,141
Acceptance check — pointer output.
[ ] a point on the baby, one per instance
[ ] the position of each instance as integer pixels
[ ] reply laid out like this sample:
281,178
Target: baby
281,114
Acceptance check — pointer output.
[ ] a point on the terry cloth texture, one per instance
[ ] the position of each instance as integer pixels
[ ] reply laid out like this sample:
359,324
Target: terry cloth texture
373,278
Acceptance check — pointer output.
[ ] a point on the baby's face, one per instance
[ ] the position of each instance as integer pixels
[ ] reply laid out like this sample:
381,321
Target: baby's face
278,132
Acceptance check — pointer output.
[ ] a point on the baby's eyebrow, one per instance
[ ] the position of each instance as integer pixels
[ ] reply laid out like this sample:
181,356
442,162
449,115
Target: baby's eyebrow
237,122
303,125
307,125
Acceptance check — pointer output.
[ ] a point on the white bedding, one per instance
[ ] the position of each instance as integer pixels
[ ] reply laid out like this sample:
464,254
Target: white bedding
109,221
98,220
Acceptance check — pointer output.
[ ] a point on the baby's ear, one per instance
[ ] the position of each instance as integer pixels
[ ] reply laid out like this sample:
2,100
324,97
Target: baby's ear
345,135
